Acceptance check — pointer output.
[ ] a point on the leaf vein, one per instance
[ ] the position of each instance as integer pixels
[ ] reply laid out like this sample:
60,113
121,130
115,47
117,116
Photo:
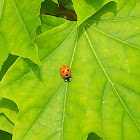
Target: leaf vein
44,58
110,80
113,37
114,20
125,88
67,86
43,109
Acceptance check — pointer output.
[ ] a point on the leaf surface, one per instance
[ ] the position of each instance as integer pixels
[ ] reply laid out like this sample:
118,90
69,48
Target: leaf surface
48,7
9,108
18,23
1,6
86,8
67,4
9,61
6,124
3,50
49,22
103,96
56,1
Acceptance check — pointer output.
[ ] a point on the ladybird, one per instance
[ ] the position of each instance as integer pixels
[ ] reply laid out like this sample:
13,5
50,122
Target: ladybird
65,72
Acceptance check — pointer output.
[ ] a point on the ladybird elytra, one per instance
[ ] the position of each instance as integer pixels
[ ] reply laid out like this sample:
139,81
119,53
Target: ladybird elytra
65,73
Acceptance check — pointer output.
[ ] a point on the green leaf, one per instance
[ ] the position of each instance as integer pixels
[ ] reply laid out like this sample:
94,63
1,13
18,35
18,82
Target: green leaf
48,7
18,23
67,4
5,124
86,8
9,108
9,61
56,1
1,6
48,22
3,50
103,95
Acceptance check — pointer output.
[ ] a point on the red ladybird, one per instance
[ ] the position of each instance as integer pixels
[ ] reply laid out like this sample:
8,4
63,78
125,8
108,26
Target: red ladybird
65,72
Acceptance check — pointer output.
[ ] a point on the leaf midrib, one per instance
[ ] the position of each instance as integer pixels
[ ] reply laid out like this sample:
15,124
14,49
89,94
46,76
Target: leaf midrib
65,96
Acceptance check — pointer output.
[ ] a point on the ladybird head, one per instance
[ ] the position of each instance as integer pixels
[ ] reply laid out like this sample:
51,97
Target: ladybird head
67,78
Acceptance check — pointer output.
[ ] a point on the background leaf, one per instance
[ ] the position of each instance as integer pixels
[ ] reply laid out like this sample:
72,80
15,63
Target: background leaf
67,4
9,108
16,33
4,51
5,124
86,8
49,22
55,1
1,6
10,60
48,7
